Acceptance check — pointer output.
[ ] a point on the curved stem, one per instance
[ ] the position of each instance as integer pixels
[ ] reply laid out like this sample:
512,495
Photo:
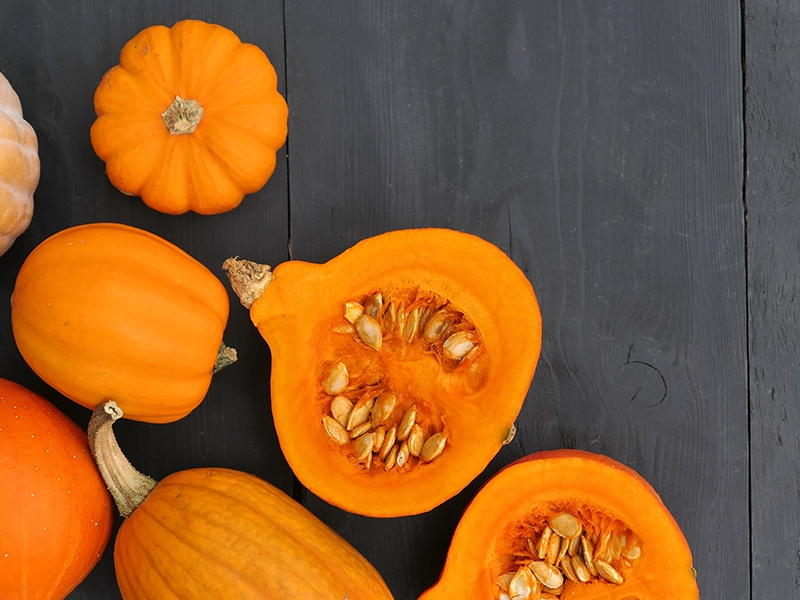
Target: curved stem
128,486
248,279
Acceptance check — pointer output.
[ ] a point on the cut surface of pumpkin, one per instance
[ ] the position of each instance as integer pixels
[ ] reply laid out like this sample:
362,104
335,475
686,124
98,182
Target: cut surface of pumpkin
567,524
399,366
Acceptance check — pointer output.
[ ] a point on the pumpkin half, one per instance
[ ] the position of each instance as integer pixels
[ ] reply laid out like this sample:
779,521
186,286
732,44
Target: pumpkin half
19,167
55,512
219,533
567,524
190,119
398,367
108,311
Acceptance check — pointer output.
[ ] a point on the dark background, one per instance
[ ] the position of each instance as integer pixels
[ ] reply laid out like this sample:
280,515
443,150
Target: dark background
639,162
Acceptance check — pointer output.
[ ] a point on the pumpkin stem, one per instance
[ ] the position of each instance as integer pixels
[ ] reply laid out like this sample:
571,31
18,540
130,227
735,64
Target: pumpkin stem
182,116
248,279
226,356
128,486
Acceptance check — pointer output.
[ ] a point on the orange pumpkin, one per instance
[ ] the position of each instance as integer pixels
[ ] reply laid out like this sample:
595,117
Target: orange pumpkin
190,119
568,524
55,512
398,367
19,167
219,533
107,311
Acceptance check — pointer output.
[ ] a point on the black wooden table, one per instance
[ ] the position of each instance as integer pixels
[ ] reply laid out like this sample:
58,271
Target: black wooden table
638,160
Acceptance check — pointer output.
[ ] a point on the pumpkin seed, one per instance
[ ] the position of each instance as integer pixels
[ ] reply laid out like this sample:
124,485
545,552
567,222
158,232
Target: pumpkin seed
412,323
608,572
458,345
580,569
360,430
362,447
353,310
436,325
567,568
520,587
369,331
336,380
388,443
574,546
433,447
547,574
402,454
373,307
340,409
391,459
335,430
407,422
553,548
504,581
360,412
544,543
416,439
588,555
344,328
383,409
566,525
389,317
380,435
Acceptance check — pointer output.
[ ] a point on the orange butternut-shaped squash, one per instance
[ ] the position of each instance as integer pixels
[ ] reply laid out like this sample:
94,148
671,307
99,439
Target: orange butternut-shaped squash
221,534
108,311
55,512
567,524
190,119
398,367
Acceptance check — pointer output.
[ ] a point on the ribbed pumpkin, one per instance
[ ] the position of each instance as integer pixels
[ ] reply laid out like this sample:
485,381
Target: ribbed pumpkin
19,167
568,524
398,367
55,512
108,311
222,534
190,119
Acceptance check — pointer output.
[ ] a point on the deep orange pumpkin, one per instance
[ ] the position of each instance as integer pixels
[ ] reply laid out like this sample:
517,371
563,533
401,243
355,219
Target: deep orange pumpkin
55,512
190,119
221,534
107,311
434,323
633,546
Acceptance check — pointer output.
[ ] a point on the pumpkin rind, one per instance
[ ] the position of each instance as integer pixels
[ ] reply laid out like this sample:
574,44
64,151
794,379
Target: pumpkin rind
232,150
19,167
55,511
298,314
544,480
219,533
107,311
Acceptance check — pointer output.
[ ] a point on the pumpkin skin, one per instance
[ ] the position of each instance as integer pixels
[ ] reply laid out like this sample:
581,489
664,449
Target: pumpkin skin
55,511
219,533
19,167
173,167
494,526
108,311
472,404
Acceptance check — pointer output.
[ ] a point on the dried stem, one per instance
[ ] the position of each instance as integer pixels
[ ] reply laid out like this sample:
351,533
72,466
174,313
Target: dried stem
248,279
226,356
128,486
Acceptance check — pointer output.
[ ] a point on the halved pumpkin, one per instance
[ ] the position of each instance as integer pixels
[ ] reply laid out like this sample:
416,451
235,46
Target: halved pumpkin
398,367
568,524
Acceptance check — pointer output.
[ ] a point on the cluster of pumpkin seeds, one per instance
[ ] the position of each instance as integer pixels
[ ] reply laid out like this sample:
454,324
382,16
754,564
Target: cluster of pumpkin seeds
380,428
564,551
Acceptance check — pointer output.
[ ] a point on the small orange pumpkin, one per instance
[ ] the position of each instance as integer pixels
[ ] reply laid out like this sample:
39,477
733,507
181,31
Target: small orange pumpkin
19,167
219,533
55,512
190,119
398,367
108,311
568,524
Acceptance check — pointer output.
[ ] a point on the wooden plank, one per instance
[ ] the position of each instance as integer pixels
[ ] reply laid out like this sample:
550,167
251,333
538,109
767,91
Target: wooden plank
55,54
773,128
600,145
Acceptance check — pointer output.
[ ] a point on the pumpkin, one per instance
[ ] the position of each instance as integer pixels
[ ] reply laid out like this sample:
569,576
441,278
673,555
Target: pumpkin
190,118
19,167
55,511
569,524
219,533
108,311
398,367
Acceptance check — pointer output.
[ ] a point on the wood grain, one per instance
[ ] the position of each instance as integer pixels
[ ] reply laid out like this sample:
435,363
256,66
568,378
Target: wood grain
773,130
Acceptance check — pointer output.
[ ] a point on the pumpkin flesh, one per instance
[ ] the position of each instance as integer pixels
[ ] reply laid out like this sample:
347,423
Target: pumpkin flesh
471,402
621,516
55,512
19,167
107,311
